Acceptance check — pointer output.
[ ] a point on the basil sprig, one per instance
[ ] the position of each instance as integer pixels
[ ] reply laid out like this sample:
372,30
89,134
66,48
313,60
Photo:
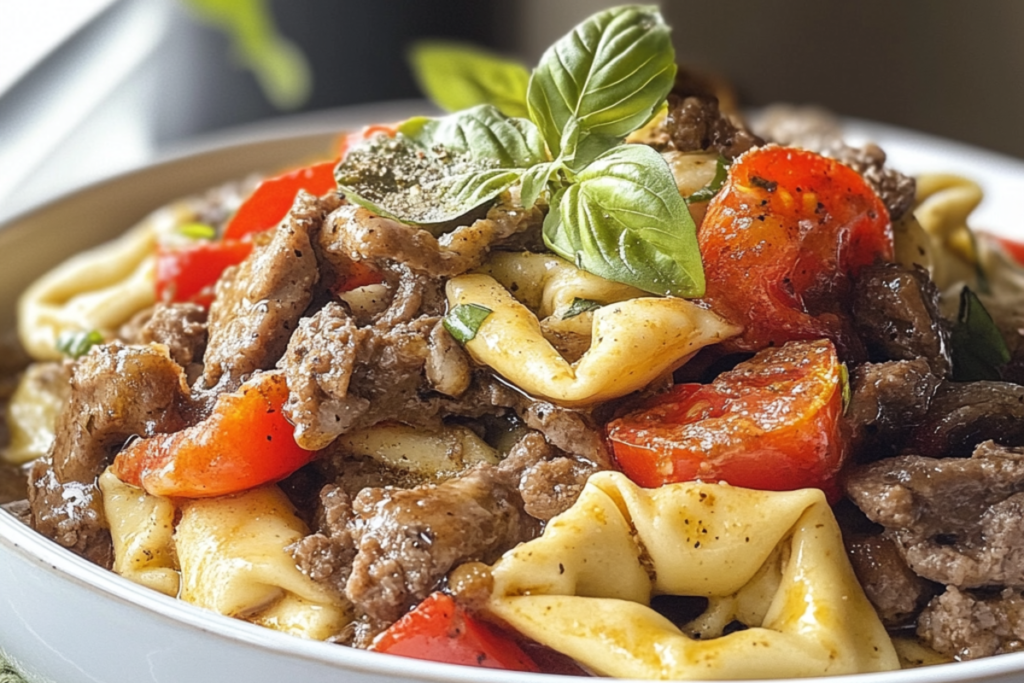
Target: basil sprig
464,320
977,346
457,76
615,209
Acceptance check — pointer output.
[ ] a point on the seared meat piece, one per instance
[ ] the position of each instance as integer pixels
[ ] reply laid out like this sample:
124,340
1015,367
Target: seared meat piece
117,393
896,312
963,414
408,540
548,483
966,626
897,593
260,302
956,521
179,326
354,233
694,123
887,399
564,428
326,556
819,131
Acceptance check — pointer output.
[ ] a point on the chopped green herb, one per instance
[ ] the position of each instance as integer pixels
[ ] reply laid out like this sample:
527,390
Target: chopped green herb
464,321
844,386
978,348
77,344
197,231
707,193
578,306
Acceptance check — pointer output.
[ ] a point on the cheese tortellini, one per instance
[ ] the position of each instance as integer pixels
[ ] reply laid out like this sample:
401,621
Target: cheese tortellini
774,560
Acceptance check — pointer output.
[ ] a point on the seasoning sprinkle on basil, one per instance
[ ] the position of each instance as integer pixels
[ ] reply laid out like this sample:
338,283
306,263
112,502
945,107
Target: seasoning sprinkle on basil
464,321
74,345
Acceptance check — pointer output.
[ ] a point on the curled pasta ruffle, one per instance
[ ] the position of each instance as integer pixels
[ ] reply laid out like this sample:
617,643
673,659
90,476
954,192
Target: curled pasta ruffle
585,586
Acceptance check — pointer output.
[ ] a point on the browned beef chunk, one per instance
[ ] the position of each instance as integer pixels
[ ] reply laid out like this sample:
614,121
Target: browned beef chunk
572,431
896,313
694,123
408,540
887,400
326,555
897,593
354,233
819,131
549,483
117,393
966,625
956,521
179,326
963,414
260,302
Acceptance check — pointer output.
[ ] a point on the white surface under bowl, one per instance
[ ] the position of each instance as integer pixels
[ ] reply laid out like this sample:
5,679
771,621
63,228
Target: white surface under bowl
65,620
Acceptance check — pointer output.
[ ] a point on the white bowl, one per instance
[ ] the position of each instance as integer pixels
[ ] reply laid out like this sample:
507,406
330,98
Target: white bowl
65,620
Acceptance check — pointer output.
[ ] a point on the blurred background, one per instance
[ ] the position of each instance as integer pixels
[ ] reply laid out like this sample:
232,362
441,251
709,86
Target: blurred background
89,88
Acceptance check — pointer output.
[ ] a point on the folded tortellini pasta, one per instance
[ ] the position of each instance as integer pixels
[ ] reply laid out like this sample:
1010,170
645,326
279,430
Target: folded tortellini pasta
585,586
632,339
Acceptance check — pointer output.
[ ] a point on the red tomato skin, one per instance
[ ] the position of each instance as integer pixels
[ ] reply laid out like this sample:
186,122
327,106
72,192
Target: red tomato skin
188,273
771,424
269,203
245,442
782,241
439,630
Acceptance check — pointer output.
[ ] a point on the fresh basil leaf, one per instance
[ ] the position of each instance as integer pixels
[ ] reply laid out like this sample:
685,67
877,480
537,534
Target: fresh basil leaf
464,320
579,306
624,220
534,181
610,74
76,344
197,231
708,192
458,76
978,348
435,170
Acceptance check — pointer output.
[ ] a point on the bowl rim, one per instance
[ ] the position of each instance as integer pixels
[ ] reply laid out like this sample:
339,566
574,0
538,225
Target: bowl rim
47,556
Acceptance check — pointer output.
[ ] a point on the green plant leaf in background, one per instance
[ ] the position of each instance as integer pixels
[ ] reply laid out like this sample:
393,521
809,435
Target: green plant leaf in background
608,77
623,219
437,169
978,348
279,66
458,76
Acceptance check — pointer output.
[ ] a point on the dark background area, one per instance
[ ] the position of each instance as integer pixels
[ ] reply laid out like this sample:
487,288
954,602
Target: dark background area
940,66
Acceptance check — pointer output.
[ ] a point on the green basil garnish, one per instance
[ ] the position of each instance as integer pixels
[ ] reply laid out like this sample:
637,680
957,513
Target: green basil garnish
708,192
623,219
457,76
435,170
464,321
76,344
579,306
844,386
602,81
197,231
978,348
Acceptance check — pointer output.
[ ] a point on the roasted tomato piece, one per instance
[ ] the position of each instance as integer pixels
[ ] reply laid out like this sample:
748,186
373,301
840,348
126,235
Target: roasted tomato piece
439,630
782,241
771,423
246,442
188,273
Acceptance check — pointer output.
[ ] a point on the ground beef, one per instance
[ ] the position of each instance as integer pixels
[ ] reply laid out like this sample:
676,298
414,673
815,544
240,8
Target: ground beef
956,521
896,313
179,326
886,399
259,303
965,625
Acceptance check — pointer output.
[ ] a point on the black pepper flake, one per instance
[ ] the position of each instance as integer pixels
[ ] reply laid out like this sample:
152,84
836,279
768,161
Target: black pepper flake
763,183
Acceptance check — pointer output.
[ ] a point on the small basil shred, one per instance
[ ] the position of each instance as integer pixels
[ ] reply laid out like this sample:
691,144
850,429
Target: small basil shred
978,348
579,306
708,192
197,231
76,344
464,321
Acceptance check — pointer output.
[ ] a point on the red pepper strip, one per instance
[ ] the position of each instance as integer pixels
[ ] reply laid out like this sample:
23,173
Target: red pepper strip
1013,248
771,423
188,273
269,203
245,442
439,630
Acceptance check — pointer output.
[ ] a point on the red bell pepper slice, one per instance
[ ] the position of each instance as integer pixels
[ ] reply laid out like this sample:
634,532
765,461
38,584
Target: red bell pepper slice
772,423
189,272
245,442
269,203
439,630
